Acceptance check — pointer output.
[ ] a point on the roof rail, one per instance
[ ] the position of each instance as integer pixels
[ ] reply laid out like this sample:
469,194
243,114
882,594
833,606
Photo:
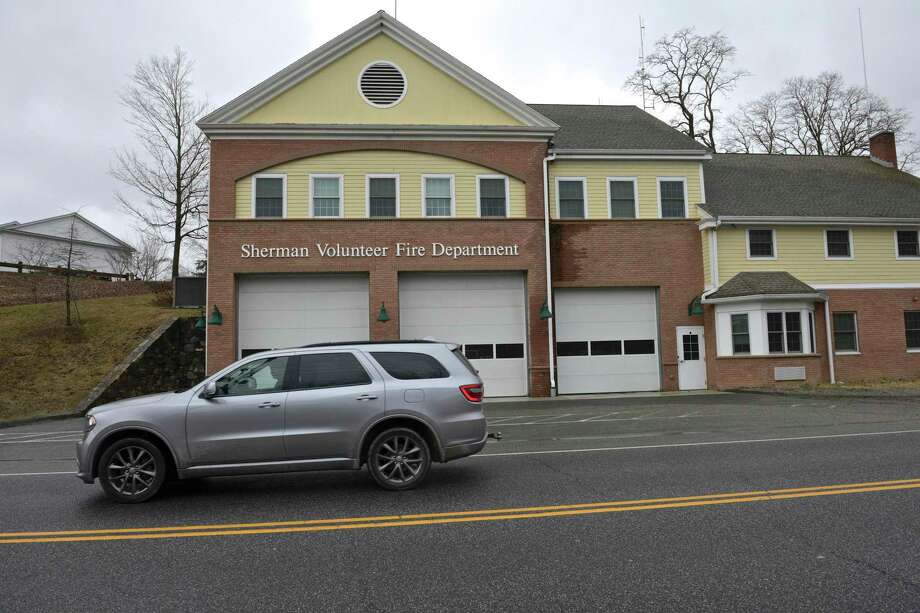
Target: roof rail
347,343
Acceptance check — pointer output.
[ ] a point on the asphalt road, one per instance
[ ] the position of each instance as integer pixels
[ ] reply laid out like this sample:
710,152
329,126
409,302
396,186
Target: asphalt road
682,503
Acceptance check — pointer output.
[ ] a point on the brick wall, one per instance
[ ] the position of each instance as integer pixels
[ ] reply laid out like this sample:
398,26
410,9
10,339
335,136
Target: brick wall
33,288
637,253
882,342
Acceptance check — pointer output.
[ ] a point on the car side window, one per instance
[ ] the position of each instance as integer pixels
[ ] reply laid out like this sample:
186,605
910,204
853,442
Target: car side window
317,370
254,377
409,366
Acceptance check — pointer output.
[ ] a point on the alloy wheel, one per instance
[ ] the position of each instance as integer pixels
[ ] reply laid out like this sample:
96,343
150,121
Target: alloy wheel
132,471
399,460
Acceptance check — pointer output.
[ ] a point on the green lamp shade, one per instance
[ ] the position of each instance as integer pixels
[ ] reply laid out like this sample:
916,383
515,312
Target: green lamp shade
383,315
544,311
216,319
199,323
695,307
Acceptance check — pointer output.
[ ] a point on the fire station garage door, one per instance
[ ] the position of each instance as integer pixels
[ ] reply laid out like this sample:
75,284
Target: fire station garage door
484,312
278,311
607,340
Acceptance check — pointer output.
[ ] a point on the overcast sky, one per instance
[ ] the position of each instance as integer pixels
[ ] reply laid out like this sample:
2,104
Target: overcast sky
63,63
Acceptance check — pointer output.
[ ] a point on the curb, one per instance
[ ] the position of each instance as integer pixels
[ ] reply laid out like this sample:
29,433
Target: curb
24,421
868,395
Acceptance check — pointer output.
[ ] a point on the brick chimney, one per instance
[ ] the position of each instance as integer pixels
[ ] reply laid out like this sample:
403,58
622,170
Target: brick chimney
882,149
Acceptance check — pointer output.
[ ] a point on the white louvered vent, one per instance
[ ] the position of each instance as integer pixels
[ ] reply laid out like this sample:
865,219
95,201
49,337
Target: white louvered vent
382,84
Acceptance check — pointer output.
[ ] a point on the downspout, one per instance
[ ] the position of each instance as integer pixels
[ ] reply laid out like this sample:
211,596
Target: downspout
549,274
830,346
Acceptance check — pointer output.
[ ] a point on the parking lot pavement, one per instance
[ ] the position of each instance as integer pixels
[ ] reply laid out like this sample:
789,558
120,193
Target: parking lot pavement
725,502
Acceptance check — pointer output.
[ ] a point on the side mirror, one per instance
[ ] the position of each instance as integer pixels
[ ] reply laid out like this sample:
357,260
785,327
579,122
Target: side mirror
210,390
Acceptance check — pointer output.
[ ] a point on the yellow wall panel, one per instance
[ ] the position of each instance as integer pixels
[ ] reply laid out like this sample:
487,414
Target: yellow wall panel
330,95
645,171
800,251
355,165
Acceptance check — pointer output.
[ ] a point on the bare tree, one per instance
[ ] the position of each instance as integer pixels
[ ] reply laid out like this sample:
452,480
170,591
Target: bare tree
171,170
38,252
148,262
819,115
690,71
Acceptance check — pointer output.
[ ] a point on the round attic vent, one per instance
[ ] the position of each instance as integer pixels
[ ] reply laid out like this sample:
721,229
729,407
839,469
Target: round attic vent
382,84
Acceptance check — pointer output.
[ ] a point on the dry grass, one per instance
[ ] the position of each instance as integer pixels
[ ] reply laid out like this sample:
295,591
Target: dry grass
49,367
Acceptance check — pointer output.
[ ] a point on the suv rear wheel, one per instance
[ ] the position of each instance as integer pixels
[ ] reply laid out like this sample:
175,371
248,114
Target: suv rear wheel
399,459
132,470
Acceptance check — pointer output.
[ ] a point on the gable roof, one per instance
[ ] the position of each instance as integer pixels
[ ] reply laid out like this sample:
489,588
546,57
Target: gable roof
30,228
809,186
379,23
595,127
746,284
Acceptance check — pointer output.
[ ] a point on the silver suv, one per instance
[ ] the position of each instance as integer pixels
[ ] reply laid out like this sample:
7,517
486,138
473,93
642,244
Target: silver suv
394,406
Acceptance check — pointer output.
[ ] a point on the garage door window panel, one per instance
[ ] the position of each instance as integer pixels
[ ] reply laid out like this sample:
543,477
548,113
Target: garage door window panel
639,347
606,348
479,351
410,366
571,348
259,376
571,193
509,350
269,196
323,370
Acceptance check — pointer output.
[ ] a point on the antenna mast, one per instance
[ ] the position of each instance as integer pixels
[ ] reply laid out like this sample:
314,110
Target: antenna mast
645,105
862,44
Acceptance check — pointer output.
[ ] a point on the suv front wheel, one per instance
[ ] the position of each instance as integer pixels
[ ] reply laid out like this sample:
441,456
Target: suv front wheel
399,459
132,470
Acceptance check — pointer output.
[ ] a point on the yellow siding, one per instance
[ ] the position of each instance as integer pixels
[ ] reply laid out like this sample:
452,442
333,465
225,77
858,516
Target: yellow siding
645,171
330,96
800,251
707,259
355,165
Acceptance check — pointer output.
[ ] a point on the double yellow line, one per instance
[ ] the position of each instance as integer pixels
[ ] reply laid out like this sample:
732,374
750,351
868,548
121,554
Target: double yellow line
456,517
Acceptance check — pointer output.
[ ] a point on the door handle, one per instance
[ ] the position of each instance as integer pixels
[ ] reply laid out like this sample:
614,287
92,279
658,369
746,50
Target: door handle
366,397
269,404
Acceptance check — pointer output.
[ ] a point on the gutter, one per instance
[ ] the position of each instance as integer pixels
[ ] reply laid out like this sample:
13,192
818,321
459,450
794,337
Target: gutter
549,274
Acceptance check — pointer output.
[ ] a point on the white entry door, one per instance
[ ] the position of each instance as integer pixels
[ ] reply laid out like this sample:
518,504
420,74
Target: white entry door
691,358
485,312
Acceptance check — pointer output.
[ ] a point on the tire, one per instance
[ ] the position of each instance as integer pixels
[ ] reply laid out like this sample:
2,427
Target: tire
143,475
399,459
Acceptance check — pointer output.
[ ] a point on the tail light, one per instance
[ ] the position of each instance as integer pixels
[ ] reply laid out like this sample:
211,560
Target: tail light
472,392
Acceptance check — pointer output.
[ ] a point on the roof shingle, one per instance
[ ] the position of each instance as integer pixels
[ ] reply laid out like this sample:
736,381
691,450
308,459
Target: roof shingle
761,185
761,283
617,127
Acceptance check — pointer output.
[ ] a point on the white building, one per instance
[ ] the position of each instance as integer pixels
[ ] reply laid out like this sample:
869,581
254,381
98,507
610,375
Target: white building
46,242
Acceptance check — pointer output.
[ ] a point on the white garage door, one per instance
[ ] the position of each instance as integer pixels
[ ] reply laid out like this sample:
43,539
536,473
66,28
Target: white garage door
484,312
290,310
607,340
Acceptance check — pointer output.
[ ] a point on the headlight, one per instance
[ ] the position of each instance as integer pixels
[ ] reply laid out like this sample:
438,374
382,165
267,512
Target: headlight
90,422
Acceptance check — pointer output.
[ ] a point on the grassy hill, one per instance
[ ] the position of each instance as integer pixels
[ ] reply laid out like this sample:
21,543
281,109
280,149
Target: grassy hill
48,367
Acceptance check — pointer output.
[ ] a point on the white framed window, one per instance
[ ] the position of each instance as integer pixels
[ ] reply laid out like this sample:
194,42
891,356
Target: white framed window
741,334
269,196
492,196
846,333
838,244
907,244
672,197
912,330
381,195
623,197
438,198
571,195
784,332
327,196
761,244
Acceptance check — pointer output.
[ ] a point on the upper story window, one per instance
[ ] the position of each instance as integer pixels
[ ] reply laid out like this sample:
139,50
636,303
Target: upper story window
327,195
382,84
761,243
269,195
492,195
570,194
382,195
838,244
672,197
908,243
438,194
622,197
